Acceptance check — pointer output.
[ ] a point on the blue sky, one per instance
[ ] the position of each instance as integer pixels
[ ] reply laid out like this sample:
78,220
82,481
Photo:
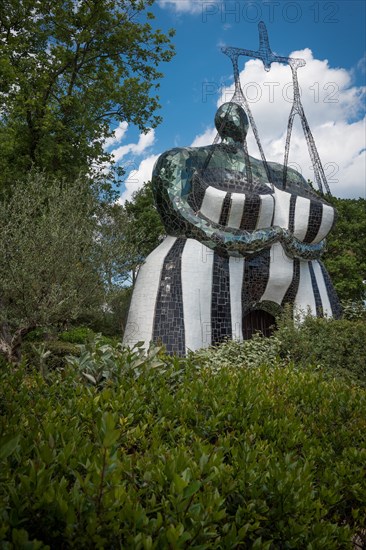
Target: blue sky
330,36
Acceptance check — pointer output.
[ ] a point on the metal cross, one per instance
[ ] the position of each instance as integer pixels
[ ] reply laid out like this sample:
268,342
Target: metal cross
264,53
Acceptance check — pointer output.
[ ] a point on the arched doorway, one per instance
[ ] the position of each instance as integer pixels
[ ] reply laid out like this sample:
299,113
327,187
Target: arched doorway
258,320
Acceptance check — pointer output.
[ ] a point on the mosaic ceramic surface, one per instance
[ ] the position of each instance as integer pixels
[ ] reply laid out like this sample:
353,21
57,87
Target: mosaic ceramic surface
237,242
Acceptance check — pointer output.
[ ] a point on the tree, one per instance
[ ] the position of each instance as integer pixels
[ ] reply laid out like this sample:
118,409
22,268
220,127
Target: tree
68,70
127,234
145,227
117,250
49,268
346,255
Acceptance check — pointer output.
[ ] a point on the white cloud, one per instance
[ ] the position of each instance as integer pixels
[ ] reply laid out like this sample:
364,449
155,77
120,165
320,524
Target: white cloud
118,136
145,141
204,139
182,6
137,177
332,106
331,103
341,150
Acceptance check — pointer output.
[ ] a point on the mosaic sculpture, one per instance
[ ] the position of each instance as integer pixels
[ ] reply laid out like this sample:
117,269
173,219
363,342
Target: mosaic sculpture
244,236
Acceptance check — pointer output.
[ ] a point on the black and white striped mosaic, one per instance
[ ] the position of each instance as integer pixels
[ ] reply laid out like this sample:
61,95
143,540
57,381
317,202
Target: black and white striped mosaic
188,296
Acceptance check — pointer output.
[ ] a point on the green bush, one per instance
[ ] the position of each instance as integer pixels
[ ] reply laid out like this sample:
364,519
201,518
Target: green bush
337,345
48,355
170,454
354,311
38,335
85,335
100,363
251,353
78,335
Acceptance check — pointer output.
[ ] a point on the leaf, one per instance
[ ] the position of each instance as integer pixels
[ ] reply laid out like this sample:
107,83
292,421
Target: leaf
90,377
179,484
8,445
192,489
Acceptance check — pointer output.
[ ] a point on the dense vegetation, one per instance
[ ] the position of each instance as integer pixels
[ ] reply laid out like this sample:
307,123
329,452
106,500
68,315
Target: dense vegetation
69,72
346,254
234,447
258,444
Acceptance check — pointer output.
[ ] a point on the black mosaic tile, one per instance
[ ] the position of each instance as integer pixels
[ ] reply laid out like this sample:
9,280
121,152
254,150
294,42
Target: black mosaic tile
220,305
291,220
291,292
314,284
315,219
195,198
225,211
169,318
332,295
250,213
255,278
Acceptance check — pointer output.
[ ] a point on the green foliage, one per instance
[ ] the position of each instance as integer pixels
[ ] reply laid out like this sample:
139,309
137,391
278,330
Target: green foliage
68,71
169,453
49,268
53,353
146,228
346,255
77,335
111,320
119,235
251,353
39,334
58,353
102,362
64,258
339,346
47,355
353,310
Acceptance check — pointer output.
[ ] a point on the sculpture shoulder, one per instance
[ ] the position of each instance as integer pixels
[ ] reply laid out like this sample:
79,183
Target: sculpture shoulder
293,176
179,156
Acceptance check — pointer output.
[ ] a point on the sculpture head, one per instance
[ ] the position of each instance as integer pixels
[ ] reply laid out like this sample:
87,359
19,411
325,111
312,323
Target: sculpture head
232,122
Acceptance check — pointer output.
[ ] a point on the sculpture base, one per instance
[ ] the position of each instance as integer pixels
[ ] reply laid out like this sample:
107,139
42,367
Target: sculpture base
188,297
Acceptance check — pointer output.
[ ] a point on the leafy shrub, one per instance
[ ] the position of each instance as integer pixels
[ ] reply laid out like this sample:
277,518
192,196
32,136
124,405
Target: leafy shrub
59,351
267,457
250,353
48,355
102,363
85,335
337,345
78,335
38,334
354,310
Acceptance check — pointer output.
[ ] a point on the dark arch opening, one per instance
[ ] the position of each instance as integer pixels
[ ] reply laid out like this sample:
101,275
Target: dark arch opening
258,320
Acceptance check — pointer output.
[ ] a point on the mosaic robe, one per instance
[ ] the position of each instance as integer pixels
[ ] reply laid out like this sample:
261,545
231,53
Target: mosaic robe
188,296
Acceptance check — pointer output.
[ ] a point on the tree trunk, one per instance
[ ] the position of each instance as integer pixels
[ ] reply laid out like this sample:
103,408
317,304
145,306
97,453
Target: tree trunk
10,344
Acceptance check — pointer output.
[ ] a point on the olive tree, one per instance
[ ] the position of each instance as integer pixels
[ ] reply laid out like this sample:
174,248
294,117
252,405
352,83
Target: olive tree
49,269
